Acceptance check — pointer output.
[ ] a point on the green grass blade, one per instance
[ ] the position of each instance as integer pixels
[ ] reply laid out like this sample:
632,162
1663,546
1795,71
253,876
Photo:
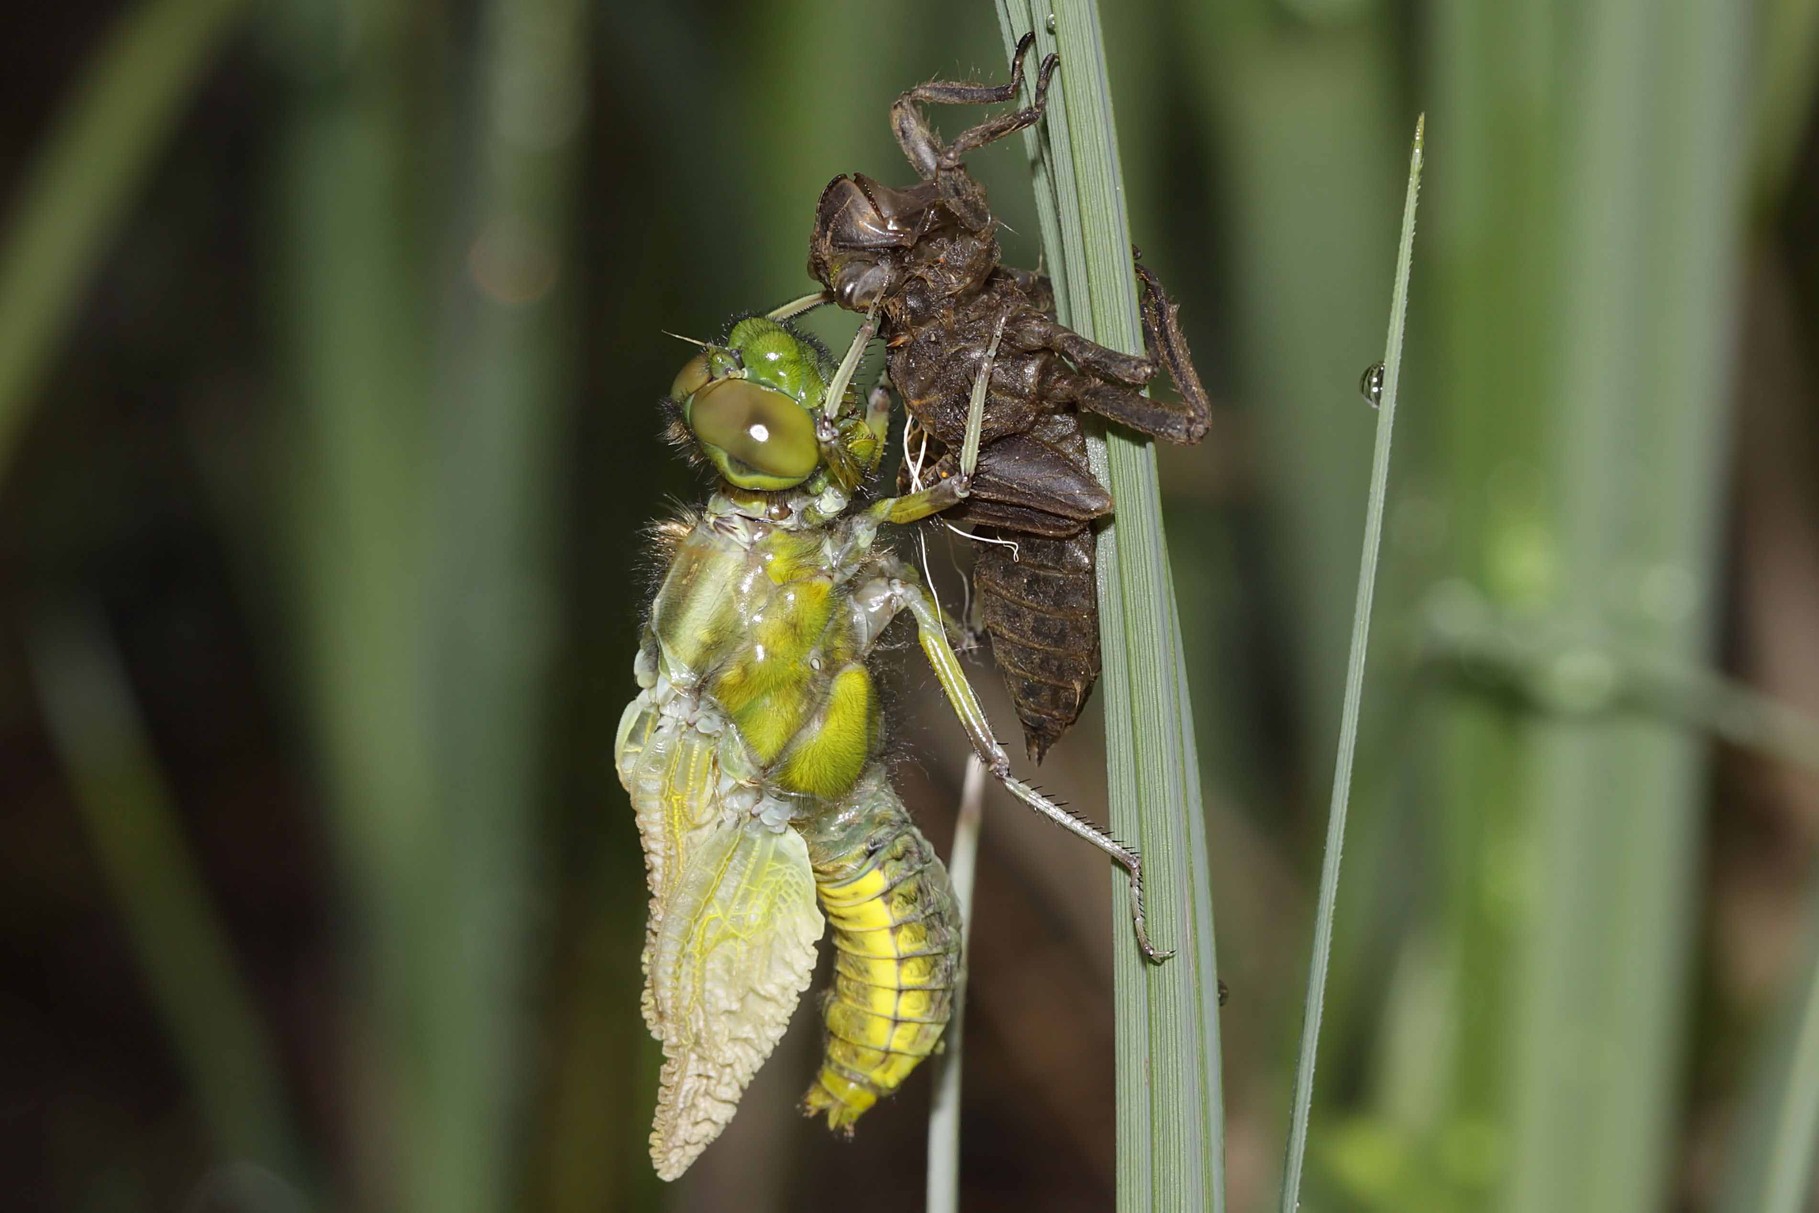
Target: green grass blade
140,849
122,110
1354,695
944,1111
1170,1112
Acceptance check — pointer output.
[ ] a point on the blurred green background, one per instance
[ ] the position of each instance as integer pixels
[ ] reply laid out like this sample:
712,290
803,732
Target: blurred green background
330,340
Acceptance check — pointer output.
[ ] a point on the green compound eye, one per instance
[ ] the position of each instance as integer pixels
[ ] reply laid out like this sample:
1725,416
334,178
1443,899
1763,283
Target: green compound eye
758,438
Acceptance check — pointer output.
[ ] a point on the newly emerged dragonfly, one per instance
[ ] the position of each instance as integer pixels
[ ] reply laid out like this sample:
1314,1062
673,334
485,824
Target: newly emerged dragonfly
923,263
751,752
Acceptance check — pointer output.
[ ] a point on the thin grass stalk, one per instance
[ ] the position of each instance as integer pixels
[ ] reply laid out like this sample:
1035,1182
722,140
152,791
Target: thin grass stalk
155,880
1170,1113
944,1110
121,112
1354,695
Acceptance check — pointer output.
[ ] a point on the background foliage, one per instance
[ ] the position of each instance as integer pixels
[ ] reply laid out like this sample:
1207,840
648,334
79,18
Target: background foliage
329,342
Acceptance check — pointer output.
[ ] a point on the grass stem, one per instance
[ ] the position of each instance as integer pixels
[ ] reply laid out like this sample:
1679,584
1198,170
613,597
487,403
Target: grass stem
1354,695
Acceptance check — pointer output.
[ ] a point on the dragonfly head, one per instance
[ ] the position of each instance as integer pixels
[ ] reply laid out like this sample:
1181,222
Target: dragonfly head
753,408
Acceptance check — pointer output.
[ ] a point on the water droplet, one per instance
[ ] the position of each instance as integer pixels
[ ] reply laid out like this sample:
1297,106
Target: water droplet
1051,23
1370,385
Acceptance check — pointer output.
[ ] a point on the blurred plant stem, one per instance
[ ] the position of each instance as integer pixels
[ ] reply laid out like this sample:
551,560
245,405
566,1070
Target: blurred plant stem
503,384
1584,247
358,345
425,467
118,116
215,1026
1303,118
1649,202
1171,1123
1587,676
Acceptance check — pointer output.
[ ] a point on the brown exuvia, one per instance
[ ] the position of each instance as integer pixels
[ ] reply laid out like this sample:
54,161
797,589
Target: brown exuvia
923,261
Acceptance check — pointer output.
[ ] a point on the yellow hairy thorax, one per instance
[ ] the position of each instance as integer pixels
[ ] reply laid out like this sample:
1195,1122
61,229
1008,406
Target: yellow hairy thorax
766,626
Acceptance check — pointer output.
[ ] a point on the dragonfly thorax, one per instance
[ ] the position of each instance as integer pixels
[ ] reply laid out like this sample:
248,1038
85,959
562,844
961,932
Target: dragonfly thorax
762,619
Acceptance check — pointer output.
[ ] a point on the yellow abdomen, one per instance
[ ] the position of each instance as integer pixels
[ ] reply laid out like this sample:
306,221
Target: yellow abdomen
896,935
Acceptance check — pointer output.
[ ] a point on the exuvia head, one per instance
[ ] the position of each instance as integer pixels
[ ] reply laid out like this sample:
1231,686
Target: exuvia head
753,408
862,230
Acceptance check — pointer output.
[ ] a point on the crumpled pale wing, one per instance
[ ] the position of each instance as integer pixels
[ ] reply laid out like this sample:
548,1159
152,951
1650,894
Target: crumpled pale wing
730,959
672,771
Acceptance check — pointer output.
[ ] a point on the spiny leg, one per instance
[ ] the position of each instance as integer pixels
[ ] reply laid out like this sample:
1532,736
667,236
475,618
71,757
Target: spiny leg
924,149
798,307
1102,362
1130,408
839,461
994,129
1117,396
965,702
1163,338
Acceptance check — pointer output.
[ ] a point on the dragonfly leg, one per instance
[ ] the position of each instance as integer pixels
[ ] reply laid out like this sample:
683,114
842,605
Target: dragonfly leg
849,365
1111,383
798,307
965,702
